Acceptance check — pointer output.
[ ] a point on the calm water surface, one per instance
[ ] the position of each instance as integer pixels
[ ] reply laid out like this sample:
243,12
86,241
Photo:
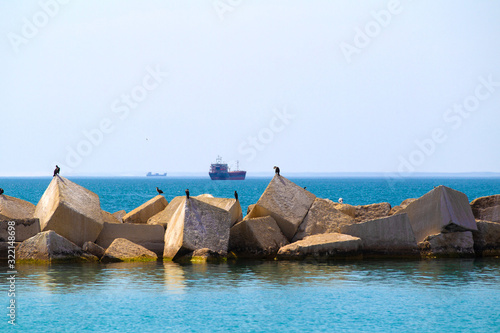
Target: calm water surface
376,296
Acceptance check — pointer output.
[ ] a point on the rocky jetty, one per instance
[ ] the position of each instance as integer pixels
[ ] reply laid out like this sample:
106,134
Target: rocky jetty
286,223
70,210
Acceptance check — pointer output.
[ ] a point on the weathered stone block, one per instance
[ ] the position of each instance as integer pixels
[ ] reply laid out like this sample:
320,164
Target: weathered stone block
285,202
440,210
322,218
70,210
142,213
391,235
257,237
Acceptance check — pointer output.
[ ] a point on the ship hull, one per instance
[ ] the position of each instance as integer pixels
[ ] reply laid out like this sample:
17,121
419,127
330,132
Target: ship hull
233,175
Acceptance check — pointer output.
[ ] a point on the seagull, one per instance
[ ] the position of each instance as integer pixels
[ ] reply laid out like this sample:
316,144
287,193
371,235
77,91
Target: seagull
56,170
1,191
236,195
187,193
158,190
341,201
277,170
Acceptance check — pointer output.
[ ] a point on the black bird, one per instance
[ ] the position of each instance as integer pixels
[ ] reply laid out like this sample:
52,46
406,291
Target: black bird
236,195
158,190
277,170
56,171
1,191
187,193
305,187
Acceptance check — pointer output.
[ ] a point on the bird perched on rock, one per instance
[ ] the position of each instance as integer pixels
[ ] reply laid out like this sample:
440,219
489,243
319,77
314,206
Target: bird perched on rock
305,187
1,191
56,170
276,170
158,190
187,193
236,195
341,201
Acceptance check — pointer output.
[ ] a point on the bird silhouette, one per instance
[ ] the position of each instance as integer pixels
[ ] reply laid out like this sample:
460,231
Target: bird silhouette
187,193
56,170
158,190
236,195
1,191
276,170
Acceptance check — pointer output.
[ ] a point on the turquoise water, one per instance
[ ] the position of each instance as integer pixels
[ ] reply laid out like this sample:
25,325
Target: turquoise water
374,296
127,193
357,296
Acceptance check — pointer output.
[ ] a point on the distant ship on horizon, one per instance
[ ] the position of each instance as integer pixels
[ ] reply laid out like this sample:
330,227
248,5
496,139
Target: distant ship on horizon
220,171
150,174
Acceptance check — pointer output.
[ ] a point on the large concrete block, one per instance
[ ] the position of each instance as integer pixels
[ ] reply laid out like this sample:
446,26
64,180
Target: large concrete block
373,211
231,205
448,245
163,218
326,246
487,238
124,250
322,218
48,246
70,210
196,225
487,208
149,236
142,213
257,237
285,202
391,235
23,229
440,210
13,208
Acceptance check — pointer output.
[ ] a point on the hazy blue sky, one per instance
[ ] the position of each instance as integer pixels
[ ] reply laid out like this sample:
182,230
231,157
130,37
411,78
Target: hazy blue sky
126,87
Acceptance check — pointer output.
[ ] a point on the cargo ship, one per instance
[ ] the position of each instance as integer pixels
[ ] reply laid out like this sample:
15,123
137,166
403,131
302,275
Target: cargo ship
220,171
150,174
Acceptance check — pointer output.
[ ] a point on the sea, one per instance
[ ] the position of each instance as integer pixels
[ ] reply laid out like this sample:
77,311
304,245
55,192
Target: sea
432,295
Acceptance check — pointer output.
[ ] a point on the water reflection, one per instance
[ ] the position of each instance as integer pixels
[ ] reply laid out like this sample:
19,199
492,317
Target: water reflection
175,278
175,282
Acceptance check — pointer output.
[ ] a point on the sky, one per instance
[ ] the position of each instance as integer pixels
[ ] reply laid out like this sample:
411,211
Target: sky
126,87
